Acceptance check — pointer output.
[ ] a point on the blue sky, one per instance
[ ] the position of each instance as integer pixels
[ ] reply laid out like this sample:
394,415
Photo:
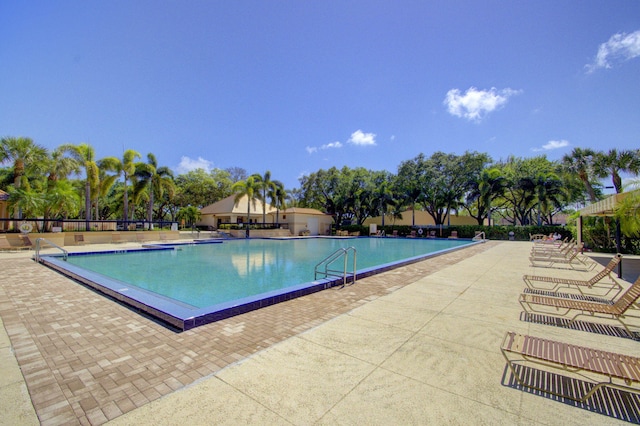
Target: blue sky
297,86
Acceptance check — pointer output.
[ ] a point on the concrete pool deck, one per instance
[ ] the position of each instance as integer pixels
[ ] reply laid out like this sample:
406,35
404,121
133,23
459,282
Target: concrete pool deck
416,345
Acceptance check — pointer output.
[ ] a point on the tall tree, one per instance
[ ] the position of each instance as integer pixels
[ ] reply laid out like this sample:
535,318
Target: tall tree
445,179
155,180
236,174
549,192
614,162
127,168
251,189
60,200
277,195
24,154
85,154
522,189
408,183
108,174
200,188
322,190
266,185
580,163
60,165
489,186
382,193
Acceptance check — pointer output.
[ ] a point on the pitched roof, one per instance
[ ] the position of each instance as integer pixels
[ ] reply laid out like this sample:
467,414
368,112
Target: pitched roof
302,210
3,195
229,206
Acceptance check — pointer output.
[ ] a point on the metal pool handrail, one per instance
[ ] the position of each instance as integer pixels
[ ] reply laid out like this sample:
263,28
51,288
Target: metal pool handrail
65,254
327,261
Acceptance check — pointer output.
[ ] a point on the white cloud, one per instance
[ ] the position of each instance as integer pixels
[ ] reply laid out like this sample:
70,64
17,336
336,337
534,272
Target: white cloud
189,164
331,145
553,145
357,138
619,48
475,104
363,139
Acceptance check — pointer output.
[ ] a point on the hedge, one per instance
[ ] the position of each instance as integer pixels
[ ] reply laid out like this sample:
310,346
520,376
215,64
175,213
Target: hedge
520,233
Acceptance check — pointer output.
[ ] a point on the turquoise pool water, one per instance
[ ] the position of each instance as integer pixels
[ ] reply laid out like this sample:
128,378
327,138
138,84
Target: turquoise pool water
208,274
187,286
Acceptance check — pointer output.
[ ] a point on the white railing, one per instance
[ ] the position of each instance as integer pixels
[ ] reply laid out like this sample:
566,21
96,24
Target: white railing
39,241
329,260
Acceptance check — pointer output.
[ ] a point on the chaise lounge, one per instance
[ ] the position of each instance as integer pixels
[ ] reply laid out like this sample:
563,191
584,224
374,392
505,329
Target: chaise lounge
572,259
563,306
16,243
556,247
579,285
603,369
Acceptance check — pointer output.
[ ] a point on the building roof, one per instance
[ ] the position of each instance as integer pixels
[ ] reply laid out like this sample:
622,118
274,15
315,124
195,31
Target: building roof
229,206
3,195
604,207
302,210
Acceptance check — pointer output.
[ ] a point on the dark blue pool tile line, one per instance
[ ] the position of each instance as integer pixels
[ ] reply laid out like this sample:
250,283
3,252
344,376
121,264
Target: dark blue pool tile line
185,317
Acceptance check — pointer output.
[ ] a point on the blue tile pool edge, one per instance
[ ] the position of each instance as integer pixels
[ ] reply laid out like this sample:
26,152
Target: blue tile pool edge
184,317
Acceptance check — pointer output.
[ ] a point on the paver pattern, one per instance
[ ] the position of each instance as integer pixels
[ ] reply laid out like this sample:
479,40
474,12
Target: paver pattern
87,359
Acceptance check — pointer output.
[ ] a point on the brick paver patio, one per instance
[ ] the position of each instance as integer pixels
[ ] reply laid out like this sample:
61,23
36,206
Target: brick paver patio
87,359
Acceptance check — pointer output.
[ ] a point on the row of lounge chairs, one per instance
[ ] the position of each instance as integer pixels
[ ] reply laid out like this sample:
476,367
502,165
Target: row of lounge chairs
566,254
18,242
15,243
583,298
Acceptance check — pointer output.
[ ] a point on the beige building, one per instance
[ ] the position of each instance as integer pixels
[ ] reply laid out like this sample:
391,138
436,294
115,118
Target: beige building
228,211
307,221
299,221
422,218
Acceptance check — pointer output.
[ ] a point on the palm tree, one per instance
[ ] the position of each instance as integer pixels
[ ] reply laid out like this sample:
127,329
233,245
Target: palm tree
85,154
251,189
25,154
548,188
60,199
489,186
384,196
105,181
25,200
127,168
60,166
266,185
277,195
190,214
580,163
615,162
154,180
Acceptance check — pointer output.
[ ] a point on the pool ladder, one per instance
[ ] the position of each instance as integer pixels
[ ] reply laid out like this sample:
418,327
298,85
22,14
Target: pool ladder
39,241
341,253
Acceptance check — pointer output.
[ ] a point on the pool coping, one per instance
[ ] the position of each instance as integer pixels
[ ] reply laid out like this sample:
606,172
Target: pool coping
181,316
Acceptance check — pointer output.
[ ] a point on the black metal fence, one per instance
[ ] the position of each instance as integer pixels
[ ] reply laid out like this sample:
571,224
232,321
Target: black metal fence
252,225
80,225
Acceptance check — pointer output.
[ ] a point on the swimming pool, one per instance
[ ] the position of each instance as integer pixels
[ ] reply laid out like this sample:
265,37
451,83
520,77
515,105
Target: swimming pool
191,285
